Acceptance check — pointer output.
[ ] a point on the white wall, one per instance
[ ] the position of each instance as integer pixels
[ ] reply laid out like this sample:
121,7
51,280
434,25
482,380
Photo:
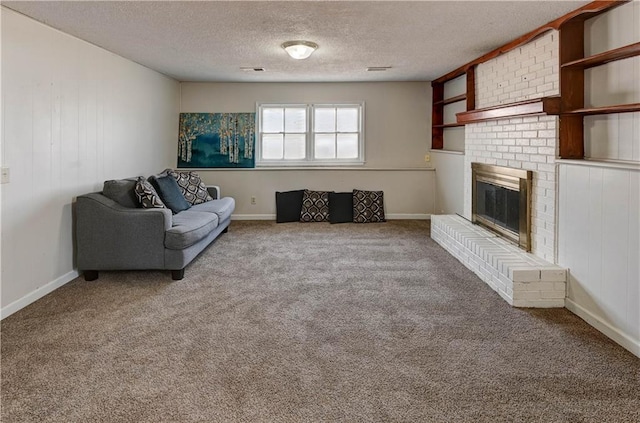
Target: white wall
449,185
397,136
599,216
73,115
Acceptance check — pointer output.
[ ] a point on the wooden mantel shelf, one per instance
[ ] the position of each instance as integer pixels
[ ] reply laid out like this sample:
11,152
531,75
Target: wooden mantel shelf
538,106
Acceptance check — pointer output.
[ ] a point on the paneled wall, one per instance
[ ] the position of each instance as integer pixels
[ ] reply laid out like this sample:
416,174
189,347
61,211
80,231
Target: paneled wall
599,241
73,115
396,140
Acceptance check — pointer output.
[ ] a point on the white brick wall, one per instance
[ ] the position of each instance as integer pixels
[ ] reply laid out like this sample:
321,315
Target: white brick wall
530,71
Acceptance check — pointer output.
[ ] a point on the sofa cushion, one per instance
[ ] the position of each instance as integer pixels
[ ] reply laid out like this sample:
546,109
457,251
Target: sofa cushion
222,207
368,206
122,191
188,228
170,193
192,187
288,206
315,206
340,207
147,195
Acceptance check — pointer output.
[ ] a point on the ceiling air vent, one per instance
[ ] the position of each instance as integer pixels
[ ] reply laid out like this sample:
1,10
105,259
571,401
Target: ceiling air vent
378,68
250,69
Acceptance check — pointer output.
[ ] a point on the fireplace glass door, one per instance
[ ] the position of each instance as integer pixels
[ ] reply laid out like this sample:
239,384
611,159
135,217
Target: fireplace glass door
500,201
499,205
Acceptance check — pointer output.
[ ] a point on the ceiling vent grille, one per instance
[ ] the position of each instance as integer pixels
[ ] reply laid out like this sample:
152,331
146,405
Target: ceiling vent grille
378,68
251,69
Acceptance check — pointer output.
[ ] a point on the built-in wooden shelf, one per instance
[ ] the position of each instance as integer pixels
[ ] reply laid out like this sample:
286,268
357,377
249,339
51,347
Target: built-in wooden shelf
455,99
570,103
449,125
538,106
618,108
625,52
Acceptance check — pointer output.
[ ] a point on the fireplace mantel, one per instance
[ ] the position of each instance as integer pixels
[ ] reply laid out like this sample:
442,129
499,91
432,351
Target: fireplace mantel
538,106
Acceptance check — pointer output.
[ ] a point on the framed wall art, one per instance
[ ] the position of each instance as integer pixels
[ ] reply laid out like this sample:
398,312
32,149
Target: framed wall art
216,140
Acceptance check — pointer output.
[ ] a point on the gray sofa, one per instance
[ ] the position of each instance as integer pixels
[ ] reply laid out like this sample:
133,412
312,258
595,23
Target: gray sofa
110,236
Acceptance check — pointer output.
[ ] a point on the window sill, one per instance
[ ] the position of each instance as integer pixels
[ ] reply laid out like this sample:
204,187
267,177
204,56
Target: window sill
309,168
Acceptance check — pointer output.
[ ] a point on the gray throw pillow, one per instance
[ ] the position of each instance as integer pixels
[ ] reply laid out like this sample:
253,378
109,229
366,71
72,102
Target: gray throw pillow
170,193
122,191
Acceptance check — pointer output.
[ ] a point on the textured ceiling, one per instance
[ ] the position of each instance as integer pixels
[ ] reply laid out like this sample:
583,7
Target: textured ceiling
212,40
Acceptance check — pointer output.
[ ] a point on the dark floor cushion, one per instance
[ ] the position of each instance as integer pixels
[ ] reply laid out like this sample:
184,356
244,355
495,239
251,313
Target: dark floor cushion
340,207
170,193
315,206
368,206
288,206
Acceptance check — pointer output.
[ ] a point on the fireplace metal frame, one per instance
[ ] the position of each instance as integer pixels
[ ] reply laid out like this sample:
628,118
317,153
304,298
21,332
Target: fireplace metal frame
514,179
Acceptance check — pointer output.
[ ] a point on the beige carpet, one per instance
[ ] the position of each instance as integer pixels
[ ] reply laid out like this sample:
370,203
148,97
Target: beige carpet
308,323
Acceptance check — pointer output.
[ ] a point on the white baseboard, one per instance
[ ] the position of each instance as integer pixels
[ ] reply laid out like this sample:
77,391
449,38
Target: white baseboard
408,216
33,296
392,216
624,339
253,217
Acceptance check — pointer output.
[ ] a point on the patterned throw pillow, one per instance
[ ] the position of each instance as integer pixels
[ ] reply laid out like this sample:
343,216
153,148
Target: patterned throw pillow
192,187
147,194
315,206
368,206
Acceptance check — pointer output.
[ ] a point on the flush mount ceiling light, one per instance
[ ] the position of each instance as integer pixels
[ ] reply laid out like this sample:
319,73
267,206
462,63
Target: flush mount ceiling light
378,68
299,49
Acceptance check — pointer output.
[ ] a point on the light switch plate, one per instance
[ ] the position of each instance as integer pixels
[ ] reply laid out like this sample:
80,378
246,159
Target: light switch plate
6,175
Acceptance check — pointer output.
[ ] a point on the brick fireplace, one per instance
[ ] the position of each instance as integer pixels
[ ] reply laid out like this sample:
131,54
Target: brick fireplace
527,144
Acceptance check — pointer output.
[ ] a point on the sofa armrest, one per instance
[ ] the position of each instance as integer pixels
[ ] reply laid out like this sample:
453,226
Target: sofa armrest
112,237
214,191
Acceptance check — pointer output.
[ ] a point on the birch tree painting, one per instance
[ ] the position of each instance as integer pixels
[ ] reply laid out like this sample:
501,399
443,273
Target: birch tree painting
216,140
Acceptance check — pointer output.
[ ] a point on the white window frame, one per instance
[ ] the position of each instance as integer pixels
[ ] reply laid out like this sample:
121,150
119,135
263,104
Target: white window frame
309,160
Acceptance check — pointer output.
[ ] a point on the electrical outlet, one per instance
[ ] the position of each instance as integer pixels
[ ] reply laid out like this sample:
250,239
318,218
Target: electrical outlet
6,175
253,201
427,158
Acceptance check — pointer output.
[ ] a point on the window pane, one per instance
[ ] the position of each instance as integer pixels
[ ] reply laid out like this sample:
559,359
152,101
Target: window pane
325,146
272,120
272,146
295,120
294,146
347,146
348,120
325,120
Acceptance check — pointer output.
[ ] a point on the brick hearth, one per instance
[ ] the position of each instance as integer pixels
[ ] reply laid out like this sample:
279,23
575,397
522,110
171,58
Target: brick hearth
522,279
